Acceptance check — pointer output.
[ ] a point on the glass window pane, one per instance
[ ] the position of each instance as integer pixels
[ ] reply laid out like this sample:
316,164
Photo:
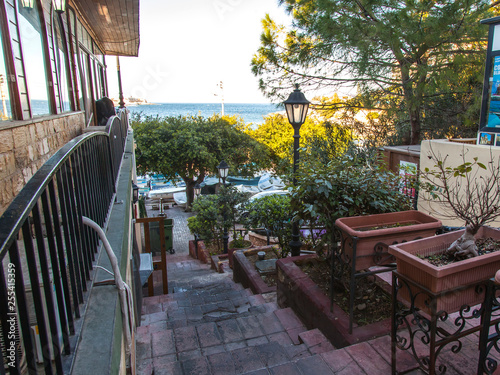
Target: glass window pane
78,84
29,25
60,62
5,111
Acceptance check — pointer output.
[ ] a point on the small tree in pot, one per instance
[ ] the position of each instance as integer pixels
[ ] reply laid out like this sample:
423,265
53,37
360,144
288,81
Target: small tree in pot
471,190
273,212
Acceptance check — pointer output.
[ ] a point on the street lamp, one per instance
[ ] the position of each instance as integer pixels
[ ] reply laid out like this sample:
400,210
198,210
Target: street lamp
135,193
223,168
60,6
296,110
28,4
197,190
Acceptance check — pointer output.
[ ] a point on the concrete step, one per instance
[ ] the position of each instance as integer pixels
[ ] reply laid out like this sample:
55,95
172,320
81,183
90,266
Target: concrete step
213,326
274,340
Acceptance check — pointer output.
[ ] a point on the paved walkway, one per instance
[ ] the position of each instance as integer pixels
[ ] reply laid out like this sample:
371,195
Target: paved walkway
210,325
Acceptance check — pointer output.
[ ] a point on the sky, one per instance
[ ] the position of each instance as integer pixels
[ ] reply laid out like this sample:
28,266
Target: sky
188,47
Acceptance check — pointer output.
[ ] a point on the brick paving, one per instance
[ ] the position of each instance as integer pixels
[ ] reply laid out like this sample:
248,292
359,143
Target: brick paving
210,325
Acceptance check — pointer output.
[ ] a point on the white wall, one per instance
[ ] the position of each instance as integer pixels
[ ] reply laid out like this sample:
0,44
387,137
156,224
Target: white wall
454,152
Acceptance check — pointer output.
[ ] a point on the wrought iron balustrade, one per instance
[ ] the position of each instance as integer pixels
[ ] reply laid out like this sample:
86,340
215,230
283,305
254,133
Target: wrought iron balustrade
47,254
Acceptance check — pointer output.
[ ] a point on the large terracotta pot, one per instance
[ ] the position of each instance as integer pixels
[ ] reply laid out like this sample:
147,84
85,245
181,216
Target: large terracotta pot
456,280
372,244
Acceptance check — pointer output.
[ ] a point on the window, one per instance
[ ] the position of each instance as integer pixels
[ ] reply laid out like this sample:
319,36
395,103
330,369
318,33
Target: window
34,65
5,111
60,63
78,79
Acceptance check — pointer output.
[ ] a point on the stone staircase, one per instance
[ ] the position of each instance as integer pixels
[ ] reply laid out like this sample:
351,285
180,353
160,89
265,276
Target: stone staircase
210,325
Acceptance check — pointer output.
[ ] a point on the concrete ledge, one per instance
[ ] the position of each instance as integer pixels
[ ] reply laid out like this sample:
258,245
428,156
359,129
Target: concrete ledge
246,274
296,290
100,350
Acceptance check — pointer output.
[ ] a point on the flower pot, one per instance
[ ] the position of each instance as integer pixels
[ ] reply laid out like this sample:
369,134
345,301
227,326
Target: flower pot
372,245
456,281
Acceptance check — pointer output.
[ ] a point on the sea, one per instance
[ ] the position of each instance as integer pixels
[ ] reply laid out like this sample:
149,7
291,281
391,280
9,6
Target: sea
250,113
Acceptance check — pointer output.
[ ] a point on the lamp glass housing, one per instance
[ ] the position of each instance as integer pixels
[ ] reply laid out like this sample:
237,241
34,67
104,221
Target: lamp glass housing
197,189
135,193
28,4
296,107
223,168
59,6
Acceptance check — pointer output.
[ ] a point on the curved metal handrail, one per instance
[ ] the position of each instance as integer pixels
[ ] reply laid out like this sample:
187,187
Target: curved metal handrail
20,208
43,241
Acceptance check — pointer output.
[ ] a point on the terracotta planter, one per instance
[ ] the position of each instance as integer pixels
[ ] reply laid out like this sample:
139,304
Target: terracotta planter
296,290
199,251
245,273
372,244
445,279
231,250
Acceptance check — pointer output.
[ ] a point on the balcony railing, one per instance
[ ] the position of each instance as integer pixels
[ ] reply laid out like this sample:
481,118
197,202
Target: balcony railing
47,254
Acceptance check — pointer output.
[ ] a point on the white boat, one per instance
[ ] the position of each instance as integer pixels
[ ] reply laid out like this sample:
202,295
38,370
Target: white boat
180,199
165,193
268,182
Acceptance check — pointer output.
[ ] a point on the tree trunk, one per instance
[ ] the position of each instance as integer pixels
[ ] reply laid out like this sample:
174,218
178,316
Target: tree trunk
414,125
412,91
189,194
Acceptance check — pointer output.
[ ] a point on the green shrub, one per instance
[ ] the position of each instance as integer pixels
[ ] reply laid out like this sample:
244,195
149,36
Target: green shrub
350,185
216,212
273,212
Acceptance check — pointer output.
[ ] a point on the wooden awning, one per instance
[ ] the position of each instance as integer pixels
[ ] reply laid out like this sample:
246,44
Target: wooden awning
113,23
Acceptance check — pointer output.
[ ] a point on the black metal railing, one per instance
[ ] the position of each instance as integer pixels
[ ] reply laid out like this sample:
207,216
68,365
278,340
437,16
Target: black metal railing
117,127
47,254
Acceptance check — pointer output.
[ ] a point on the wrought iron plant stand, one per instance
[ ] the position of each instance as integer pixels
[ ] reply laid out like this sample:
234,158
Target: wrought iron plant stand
426,335
343,263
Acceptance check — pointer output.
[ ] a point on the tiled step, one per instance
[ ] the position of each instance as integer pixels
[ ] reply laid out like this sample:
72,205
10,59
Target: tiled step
274,340
214,326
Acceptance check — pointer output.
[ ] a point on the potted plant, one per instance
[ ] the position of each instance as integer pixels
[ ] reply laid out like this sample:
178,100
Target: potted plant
366,239
238,243
472,193
351,184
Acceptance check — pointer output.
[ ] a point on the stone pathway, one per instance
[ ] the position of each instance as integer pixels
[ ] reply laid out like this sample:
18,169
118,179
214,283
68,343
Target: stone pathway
210,325
214,326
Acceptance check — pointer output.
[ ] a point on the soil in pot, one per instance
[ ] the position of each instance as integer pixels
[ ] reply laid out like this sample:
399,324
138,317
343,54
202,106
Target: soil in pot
269,279
395,225
484,246
372,304
240,244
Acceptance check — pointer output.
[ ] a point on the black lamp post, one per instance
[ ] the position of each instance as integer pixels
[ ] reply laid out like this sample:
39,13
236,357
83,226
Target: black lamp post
296,109
223,168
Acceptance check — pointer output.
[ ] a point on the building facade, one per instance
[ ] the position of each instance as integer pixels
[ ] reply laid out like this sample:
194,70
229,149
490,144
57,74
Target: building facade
53,70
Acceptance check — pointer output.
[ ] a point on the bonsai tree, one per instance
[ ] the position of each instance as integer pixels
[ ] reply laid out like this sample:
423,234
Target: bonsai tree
273,212
471,190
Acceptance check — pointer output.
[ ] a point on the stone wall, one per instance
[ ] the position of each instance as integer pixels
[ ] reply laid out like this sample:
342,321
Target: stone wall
26,145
